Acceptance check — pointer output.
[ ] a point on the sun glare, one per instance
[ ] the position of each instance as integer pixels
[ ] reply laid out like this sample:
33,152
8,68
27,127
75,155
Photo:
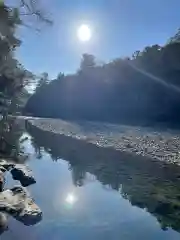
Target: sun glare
84,33
70,199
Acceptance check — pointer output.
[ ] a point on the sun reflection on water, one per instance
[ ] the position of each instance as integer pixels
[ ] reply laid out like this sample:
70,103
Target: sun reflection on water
70,199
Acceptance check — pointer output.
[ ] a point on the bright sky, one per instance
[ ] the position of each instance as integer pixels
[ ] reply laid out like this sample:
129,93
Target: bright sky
119,27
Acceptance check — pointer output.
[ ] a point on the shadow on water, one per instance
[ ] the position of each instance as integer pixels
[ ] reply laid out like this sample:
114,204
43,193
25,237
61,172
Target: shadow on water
145,183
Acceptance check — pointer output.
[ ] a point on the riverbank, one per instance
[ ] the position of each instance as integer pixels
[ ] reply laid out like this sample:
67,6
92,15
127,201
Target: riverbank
163,145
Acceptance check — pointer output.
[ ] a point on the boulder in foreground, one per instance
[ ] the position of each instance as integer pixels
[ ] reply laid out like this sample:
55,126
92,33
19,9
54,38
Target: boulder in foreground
20,205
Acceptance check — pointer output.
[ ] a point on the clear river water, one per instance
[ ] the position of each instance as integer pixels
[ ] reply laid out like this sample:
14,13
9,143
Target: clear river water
87,192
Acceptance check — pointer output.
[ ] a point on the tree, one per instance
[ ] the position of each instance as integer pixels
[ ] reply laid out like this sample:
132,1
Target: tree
127,91
42,81
87,62
136,54
175,38
60,76
13,75
8,41
30,13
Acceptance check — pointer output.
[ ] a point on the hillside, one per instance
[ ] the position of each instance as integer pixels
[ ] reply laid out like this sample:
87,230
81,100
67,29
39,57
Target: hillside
116,91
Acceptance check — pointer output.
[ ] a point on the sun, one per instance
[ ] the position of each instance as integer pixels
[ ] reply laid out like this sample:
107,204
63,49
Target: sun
84,33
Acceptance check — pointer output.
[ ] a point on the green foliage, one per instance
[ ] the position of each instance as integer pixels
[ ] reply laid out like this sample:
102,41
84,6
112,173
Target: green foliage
13,75
116,91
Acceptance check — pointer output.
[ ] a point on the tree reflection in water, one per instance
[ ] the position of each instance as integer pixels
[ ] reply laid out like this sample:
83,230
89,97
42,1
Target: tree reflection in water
11,132
146,183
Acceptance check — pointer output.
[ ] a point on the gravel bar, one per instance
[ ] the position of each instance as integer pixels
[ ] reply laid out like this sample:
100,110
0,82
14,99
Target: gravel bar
158,144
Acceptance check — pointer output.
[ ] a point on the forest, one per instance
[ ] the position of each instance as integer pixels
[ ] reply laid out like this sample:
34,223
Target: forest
141,89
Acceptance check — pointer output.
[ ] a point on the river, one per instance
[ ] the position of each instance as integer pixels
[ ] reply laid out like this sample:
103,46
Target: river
89,192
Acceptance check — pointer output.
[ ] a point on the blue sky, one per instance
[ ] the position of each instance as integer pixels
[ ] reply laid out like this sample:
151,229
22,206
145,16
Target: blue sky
119,27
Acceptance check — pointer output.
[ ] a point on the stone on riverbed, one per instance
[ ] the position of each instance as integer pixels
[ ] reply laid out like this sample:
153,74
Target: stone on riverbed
20,205
23,174
19,172
6,164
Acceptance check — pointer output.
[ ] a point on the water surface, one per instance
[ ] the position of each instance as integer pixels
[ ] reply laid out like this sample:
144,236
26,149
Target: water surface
87,192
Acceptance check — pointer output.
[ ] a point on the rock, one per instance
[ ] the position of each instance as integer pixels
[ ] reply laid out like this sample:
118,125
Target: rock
10,201
31,213
128,145
20,205
2,169
6,164
23,174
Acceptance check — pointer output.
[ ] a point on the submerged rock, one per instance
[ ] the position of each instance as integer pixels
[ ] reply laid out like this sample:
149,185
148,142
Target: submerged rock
23,174
20,205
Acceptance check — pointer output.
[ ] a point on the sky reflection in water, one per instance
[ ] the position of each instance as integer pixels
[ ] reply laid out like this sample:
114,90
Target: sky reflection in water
76,205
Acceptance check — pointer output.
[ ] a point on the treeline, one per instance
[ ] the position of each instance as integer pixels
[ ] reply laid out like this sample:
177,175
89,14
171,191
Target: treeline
142,89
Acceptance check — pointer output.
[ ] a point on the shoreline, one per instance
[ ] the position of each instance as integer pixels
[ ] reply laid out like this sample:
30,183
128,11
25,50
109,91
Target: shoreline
158,145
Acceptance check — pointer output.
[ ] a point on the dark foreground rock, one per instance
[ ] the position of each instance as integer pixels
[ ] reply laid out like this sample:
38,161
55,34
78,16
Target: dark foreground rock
19,172
20,205
6,165
23,174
